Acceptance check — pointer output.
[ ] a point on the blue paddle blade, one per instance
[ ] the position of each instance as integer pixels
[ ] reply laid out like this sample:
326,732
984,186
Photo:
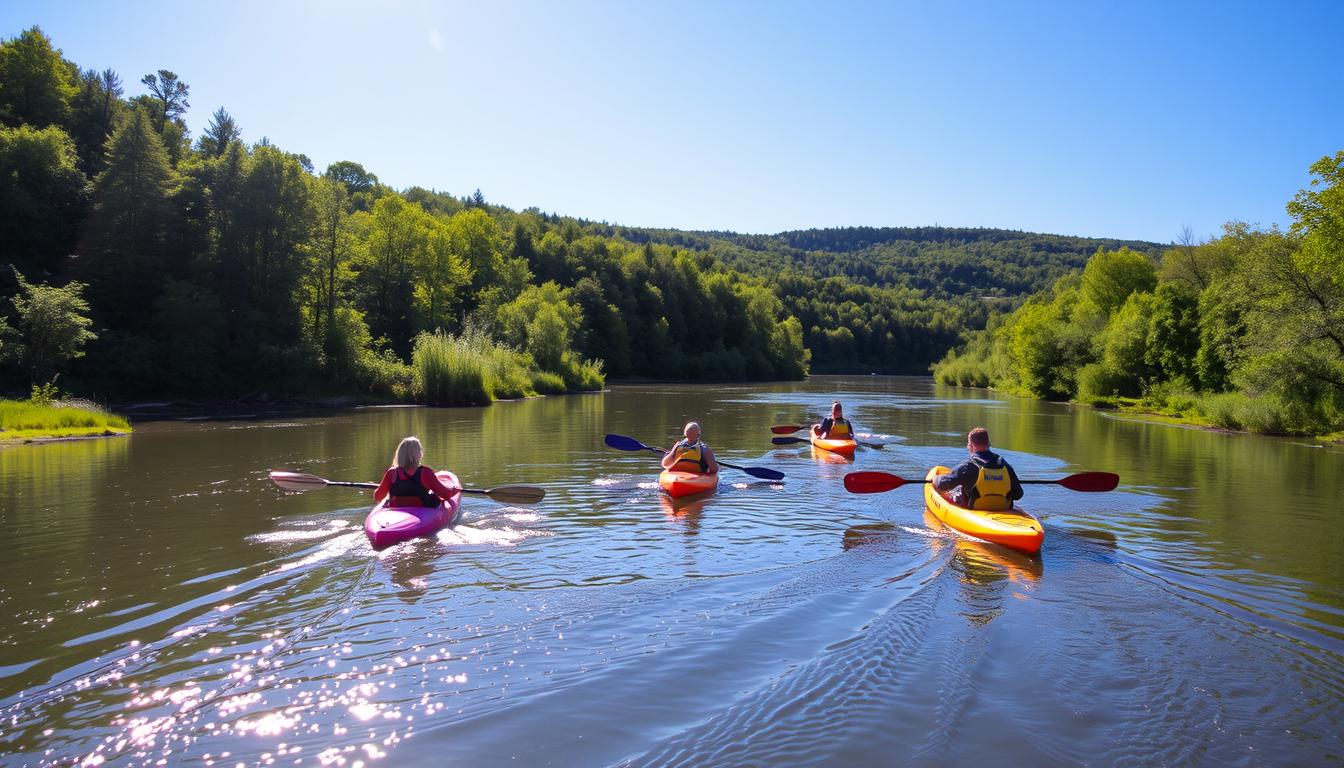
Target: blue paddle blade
788,440
763,473
623,443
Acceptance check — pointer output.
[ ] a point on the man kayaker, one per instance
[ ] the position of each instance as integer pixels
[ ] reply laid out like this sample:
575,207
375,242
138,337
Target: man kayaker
984,481
690,454
835,426
410,483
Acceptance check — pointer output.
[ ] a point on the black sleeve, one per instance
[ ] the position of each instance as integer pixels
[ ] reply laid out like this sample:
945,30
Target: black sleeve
827,423
957,477
1016,492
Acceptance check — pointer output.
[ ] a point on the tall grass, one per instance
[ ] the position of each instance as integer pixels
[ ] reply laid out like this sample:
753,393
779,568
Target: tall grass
24,419
451,370
471,369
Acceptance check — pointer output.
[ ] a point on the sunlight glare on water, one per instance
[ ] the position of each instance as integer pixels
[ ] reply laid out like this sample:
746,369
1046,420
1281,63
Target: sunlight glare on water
169,605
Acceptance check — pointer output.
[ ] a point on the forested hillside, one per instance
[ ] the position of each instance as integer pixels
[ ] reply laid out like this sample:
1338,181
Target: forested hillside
145,262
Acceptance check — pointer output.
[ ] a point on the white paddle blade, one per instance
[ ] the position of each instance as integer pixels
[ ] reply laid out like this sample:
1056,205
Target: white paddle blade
512,494
296,481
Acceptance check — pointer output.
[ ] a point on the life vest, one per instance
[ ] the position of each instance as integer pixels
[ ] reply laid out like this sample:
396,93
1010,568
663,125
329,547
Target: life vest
692,458
992,486
408,491
840,430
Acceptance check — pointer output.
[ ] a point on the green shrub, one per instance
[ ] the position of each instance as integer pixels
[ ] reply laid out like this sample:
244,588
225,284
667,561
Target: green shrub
450,370
508,371
582,375
1098,384
547,383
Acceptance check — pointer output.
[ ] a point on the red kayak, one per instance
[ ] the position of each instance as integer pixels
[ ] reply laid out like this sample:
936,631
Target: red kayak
386,525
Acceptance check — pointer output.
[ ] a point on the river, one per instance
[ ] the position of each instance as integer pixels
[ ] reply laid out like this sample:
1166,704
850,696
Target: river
162,601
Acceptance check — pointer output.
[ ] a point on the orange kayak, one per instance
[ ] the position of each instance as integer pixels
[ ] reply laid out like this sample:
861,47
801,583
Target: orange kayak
1014,528
678,484
842,447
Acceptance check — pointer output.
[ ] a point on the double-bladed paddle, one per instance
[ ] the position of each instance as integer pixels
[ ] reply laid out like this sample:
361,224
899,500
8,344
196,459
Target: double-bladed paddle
507,494
877,482
786,429
623,443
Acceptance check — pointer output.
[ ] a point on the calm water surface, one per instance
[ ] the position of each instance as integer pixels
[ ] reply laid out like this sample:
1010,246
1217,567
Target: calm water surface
163,603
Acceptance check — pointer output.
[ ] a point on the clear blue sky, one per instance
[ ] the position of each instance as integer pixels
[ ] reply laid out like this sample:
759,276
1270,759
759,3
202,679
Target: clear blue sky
1112,119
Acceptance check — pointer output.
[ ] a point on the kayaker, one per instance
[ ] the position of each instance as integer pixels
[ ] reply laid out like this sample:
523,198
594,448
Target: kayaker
690,454
835,426
408,481
984,481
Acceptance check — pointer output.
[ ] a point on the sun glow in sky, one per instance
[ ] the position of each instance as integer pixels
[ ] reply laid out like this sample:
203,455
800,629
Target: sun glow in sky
1127,120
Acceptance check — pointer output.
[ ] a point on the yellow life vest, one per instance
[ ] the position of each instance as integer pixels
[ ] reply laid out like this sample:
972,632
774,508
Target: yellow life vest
692,458
840,430
992,487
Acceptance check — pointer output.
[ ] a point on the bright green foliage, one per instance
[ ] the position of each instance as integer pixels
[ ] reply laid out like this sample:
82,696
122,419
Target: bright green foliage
53,324
398,240
1111,276
22,419
41,190
1173,334
1245,331
36,84
442,278
543,321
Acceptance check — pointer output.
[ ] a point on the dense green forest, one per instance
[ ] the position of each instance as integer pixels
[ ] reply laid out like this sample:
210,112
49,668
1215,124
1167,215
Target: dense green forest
148,263
1245,331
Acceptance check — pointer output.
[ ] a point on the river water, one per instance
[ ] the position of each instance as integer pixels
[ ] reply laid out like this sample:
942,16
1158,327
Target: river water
163,603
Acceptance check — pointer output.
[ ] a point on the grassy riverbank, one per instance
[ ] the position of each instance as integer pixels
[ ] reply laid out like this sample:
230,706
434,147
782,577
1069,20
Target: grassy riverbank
26,420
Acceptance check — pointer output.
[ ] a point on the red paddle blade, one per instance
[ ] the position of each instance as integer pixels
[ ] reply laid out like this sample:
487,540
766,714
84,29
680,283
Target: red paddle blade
786,429
872,482
1097,482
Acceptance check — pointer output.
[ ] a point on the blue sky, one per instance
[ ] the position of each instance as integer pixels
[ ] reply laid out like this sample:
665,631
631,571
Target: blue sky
1126,120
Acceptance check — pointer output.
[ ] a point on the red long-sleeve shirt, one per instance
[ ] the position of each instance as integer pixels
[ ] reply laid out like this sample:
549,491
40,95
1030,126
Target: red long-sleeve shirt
430,480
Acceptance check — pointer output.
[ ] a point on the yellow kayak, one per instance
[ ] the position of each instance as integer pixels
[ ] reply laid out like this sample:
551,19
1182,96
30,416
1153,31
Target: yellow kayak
1015,528
842,447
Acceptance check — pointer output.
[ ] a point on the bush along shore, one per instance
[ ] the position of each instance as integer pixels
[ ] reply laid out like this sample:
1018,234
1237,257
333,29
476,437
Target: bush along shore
1243,332
40,418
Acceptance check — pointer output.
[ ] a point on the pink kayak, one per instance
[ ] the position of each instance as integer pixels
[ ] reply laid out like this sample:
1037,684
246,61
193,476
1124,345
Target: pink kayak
386,525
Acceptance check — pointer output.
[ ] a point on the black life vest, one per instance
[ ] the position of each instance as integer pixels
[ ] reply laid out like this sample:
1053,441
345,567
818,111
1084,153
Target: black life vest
407,490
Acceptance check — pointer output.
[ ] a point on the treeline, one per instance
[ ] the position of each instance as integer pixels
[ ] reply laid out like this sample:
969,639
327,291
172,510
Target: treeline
1245,331
892,299
148,264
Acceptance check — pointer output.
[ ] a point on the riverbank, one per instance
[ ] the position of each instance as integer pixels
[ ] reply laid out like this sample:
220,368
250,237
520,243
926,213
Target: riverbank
26,421
1227,412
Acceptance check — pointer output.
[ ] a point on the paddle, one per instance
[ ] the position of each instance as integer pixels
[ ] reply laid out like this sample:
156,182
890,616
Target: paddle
508,494
877,482
623,443
791,440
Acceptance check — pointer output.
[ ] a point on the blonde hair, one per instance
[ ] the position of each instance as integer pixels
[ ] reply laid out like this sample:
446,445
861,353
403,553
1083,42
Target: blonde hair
408,455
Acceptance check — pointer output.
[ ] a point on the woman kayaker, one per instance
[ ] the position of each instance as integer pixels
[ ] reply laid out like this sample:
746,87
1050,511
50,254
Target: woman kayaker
984,481
690,454
835,426
410,483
